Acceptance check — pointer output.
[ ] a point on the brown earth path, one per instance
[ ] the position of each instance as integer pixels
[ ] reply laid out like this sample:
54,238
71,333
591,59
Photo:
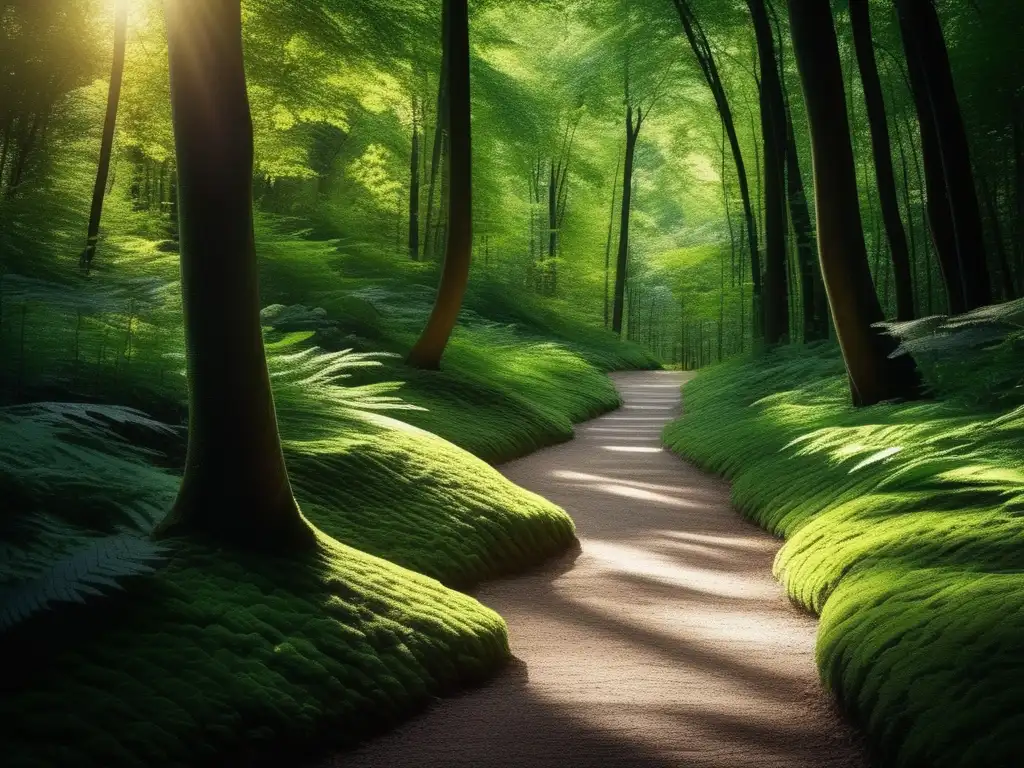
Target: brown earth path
663,642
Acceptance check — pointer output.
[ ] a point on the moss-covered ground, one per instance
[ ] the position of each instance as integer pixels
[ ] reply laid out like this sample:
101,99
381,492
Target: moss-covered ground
903,530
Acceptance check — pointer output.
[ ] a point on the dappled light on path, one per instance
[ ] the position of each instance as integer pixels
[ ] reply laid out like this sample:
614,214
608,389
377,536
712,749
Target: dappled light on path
662,642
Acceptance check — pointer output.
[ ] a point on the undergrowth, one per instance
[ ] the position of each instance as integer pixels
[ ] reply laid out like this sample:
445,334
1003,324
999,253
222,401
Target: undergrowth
903,530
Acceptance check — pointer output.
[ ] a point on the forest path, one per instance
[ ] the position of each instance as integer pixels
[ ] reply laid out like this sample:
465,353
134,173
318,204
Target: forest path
664,642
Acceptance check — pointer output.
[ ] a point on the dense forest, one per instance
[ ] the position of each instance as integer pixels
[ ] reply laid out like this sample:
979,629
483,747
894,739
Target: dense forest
300,306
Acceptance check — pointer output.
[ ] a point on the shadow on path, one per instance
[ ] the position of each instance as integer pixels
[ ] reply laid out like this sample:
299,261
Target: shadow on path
663,642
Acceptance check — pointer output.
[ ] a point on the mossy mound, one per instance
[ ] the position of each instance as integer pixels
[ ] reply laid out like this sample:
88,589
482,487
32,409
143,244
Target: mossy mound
416,499
228,659
903,531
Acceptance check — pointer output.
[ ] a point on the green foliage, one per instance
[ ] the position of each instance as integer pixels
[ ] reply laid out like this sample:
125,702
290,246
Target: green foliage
903,527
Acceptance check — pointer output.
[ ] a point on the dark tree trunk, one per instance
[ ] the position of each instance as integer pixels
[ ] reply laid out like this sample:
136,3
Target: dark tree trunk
552,226
235,487
773,131
881,145
428,351
992,204
874,376
1018,165
414,190
608,244
948,151
107,143
709,67
632,131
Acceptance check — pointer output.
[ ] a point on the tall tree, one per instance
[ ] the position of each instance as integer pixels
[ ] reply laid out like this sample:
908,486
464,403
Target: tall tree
947,155
429,349
441,129
773,131
236,487
633,125
874,375
704,54
414,188
881,145
107,142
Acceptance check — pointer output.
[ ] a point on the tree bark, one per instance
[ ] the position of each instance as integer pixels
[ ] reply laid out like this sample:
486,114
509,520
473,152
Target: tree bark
773,132
881,145
429,349
874,376
947,151
235,487
632,131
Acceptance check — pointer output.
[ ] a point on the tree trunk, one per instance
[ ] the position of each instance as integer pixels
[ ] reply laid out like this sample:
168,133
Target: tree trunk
440,131
705,58
235,487
627,198
414,190
776,298
949,152
608,244
881,145
992,204
428,351
874,376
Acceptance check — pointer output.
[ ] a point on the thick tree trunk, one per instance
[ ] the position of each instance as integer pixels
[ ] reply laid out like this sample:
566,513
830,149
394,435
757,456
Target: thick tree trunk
874,376
881,145
414,190
627,198
705,58
235,487
773,132
949,152
428,351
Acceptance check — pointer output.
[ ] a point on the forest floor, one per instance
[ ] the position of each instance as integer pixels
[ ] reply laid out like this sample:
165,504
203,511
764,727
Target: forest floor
663,641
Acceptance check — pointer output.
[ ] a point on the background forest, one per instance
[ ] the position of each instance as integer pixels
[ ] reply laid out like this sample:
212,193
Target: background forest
652,181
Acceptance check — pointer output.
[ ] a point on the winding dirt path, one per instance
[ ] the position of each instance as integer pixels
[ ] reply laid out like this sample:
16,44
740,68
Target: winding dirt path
664,642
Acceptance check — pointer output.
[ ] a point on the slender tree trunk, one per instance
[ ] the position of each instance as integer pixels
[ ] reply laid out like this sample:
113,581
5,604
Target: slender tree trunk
709,67
414,190
992,204
552,224
874,376
440,131
1018,186
235,487
881,145
608,244
428,351
776,299
627,197
932,76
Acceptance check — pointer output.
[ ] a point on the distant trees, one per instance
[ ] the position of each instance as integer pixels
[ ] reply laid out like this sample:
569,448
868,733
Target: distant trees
433,340
874,375
235,488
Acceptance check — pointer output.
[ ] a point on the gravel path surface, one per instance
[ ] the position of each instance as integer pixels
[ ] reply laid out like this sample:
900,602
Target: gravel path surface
663,641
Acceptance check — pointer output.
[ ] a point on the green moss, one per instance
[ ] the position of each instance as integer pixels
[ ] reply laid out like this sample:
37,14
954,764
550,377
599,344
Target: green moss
227,658
903,531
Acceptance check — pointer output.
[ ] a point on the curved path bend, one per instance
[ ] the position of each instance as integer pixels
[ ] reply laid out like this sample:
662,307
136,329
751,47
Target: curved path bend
663,642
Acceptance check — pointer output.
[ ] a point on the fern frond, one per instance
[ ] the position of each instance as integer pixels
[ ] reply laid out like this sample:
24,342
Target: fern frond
91,570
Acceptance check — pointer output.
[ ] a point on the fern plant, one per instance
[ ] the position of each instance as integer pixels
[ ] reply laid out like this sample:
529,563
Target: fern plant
94,569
